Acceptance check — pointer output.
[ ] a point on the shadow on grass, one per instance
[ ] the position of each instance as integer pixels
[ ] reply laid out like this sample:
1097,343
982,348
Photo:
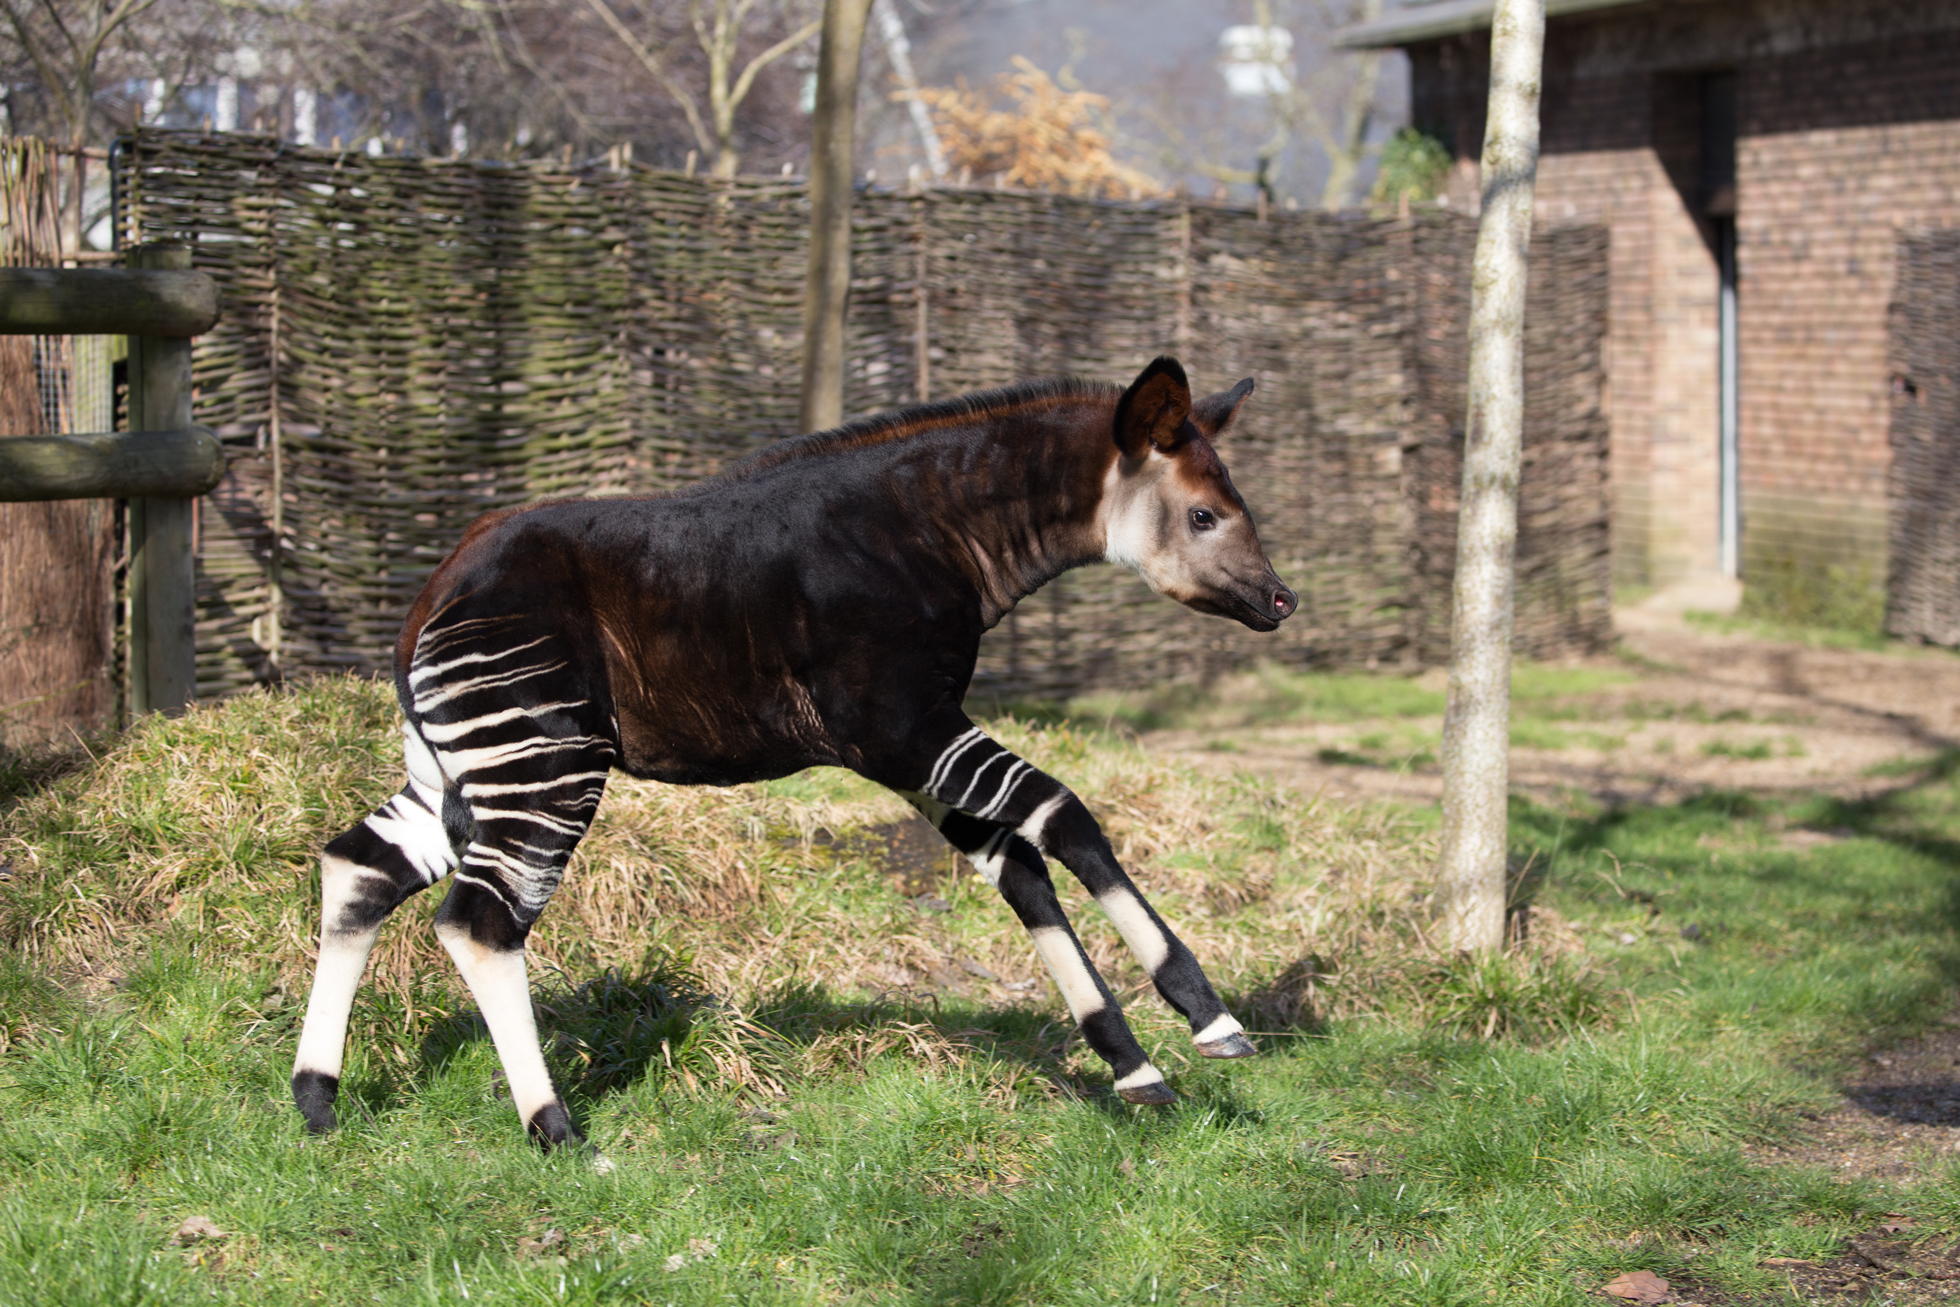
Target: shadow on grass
1888,816
608,1034
1736,855
27,770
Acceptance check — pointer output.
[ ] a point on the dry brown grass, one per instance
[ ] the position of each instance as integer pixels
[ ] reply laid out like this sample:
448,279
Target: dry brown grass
207,828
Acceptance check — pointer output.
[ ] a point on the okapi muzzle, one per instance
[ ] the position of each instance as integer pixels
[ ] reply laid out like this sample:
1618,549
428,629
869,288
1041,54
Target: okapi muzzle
820,604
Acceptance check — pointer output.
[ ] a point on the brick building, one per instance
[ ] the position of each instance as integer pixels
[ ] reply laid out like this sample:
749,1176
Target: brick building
1763,155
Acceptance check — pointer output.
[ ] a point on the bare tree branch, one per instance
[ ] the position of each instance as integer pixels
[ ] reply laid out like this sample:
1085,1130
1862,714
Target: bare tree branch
649,61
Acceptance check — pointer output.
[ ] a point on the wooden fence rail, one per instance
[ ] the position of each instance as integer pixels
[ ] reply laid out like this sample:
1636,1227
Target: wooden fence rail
162,467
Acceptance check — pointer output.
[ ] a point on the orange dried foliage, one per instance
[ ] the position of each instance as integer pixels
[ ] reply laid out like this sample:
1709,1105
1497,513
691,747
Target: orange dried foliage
1047,141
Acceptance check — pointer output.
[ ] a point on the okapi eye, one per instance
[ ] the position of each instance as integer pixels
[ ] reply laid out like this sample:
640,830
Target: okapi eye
1202,519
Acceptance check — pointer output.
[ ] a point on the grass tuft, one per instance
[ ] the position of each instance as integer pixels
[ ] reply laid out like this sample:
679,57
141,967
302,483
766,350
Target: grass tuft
1515,995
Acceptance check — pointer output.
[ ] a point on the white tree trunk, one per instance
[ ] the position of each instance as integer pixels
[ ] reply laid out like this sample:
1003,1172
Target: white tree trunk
1477,724
833,135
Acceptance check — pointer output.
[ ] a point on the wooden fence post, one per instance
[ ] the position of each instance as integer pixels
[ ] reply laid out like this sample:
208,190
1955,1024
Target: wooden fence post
162,575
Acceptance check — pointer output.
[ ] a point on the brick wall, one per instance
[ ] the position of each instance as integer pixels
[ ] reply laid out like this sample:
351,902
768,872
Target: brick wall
1840,150
1849,133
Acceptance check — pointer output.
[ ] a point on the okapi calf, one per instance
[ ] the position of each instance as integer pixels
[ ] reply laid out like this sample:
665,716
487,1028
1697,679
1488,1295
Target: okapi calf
819,605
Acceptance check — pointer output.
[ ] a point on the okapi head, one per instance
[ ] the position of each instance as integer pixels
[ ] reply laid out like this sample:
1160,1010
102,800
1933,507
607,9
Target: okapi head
1170,511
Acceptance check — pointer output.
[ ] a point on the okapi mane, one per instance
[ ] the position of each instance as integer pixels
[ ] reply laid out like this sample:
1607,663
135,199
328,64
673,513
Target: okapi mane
963,410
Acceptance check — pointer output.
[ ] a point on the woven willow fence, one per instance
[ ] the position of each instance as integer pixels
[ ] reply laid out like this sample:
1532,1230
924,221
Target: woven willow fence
1923,602
407,343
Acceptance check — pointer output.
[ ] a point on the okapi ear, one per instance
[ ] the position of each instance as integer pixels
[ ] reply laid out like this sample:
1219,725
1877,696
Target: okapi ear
1214,413
1152,411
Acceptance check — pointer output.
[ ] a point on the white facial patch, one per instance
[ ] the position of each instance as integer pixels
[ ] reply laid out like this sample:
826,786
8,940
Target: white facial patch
1070,970
1129,511
1133,923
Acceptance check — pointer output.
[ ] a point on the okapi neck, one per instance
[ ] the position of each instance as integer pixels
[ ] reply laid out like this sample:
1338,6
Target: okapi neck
1037,516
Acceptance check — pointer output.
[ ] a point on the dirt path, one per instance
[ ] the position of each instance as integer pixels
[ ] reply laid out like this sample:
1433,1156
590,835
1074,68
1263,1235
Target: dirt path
1688,711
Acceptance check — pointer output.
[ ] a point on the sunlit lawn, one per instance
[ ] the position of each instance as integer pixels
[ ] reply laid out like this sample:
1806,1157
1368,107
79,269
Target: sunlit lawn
782,1132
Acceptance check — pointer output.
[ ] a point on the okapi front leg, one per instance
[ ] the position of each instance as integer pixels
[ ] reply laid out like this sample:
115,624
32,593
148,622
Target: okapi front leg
975,776
1012,866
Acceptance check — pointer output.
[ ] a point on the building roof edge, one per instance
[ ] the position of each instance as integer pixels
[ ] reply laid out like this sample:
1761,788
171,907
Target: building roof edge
1435,18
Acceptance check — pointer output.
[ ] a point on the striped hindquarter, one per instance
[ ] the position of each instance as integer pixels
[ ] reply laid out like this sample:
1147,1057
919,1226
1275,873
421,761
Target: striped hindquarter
506,770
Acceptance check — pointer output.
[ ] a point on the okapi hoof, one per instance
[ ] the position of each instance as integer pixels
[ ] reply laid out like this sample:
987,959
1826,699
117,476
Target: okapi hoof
1233,1045
314,1093
1154,1094
551,1128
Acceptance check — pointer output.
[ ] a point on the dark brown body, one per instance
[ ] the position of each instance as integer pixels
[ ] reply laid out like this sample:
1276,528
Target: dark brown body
740,629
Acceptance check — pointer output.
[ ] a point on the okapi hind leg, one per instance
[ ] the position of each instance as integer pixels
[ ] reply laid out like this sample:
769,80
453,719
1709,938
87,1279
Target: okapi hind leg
365,874
531,802
1013,866
477,928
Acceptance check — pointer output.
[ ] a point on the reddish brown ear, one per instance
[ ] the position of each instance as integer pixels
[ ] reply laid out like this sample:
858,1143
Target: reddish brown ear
1153,410
1214,413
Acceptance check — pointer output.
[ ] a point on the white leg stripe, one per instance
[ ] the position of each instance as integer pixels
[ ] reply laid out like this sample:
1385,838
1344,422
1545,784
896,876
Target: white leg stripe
463,761
1143,1075
974,779
472,790
987,861
951,756
1133,923
1070,970
1007,786
443,694
443,734
418,834
1218,1029
1036,826
483,814
502,991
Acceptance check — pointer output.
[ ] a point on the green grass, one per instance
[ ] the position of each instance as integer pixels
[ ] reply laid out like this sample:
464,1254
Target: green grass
781,1134
1818,630
1268,696
1392,703
1847,599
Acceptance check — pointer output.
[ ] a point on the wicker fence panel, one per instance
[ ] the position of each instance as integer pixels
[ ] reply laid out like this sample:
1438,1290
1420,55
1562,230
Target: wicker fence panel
1923,594
1563,579
408,343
